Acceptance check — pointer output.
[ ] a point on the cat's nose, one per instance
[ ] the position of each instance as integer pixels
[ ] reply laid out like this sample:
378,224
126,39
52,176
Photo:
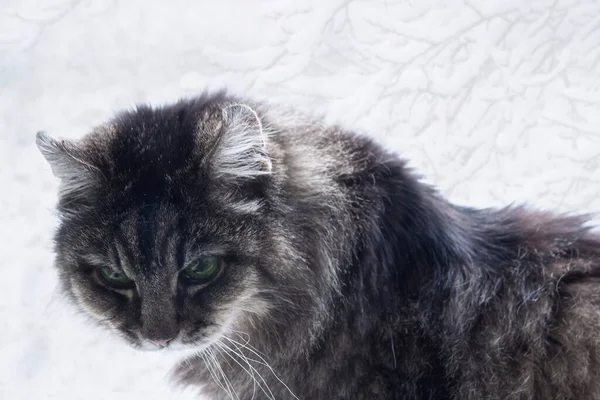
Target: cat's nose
160,342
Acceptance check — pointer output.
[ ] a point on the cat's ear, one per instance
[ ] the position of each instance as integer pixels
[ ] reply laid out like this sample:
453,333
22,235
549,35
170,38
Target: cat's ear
68,162
241,148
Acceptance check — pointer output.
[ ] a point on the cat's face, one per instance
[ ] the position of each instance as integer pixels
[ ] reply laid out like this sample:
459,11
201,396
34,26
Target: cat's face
166,233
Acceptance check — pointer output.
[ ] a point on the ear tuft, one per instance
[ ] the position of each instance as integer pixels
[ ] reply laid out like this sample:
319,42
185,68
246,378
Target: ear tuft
243,147
68,163
47,146
56,154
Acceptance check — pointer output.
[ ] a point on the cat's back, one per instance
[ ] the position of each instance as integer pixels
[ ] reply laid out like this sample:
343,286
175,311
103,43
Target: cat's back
526,325
571,367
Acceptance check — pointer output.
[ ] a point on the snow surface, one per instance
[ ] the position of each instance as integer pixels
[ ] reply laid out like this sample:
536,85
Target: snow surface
494,101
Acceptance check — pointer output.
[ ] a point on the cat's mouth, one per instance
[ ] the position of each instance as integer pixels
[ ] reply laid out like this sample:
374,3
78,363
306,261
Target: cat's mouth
171,347
180,344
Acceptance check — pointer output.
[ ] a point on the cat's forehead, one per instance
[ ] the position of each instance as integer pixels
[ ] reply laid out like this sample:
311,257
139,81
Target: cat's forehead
149,154
150,140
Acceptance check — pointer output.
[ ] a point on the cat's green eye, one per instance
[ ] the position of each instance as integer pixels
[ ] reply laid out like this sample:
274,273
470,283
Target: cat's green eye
202,269
115,278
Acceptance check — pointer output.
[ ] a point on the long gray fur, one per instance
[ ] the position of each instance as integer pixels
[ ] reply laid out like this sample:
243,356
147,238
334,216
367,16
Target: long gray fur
345,277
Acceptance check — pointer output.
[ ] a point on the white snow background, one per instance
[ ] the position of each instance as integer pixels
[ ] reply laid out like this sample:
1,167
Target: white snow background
494,101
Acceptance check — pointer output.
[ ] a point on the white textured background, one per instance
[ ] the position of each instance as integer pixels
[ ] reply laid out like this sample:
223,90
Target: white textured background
494,101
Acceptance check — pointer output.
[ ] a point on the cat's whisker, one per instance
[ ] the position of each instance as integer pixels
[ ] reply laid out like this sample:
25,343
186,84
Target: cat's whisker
231,390
240,333
217,377
248,345
224,359
249,372
255,351
209,369
264,362
242,356
252,349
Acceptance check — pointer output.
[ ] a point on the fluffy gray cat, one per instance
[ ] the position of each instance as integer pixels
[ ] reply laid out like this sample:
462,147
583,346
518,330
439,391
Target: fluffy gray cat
302,261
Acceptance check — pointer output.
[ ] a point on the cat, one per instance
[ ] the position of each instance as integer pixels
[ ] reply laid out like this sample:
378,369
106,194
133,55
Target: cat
298,260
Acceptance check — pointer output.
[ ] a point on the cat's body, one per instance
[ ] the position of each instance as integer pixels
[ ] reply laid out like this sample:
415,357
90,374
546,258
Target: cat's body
342,272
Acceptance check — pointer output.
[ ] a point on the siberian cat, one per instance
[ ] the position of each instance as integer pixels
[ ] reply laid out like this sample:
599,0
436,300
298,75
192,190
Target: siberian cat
302,261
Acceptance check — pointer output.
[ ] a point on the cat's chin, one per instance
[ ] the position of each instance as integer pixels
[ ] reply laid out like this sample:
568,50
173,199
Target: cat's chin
176,347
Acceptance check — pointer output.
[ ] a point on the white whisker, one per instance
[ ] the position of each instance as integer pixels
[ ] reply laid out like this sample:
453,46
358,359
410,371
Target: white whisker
230,390
211,371
249,372
250,348
237,353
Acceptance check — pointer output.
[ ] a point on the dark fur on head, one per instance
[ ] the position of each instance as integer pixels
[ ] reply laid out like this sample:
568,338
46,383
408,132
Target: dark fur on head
342,276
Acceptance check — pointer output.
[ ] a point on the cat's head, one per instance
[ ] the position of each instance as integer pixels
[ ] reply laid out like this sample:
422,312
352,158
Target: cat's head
168,232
